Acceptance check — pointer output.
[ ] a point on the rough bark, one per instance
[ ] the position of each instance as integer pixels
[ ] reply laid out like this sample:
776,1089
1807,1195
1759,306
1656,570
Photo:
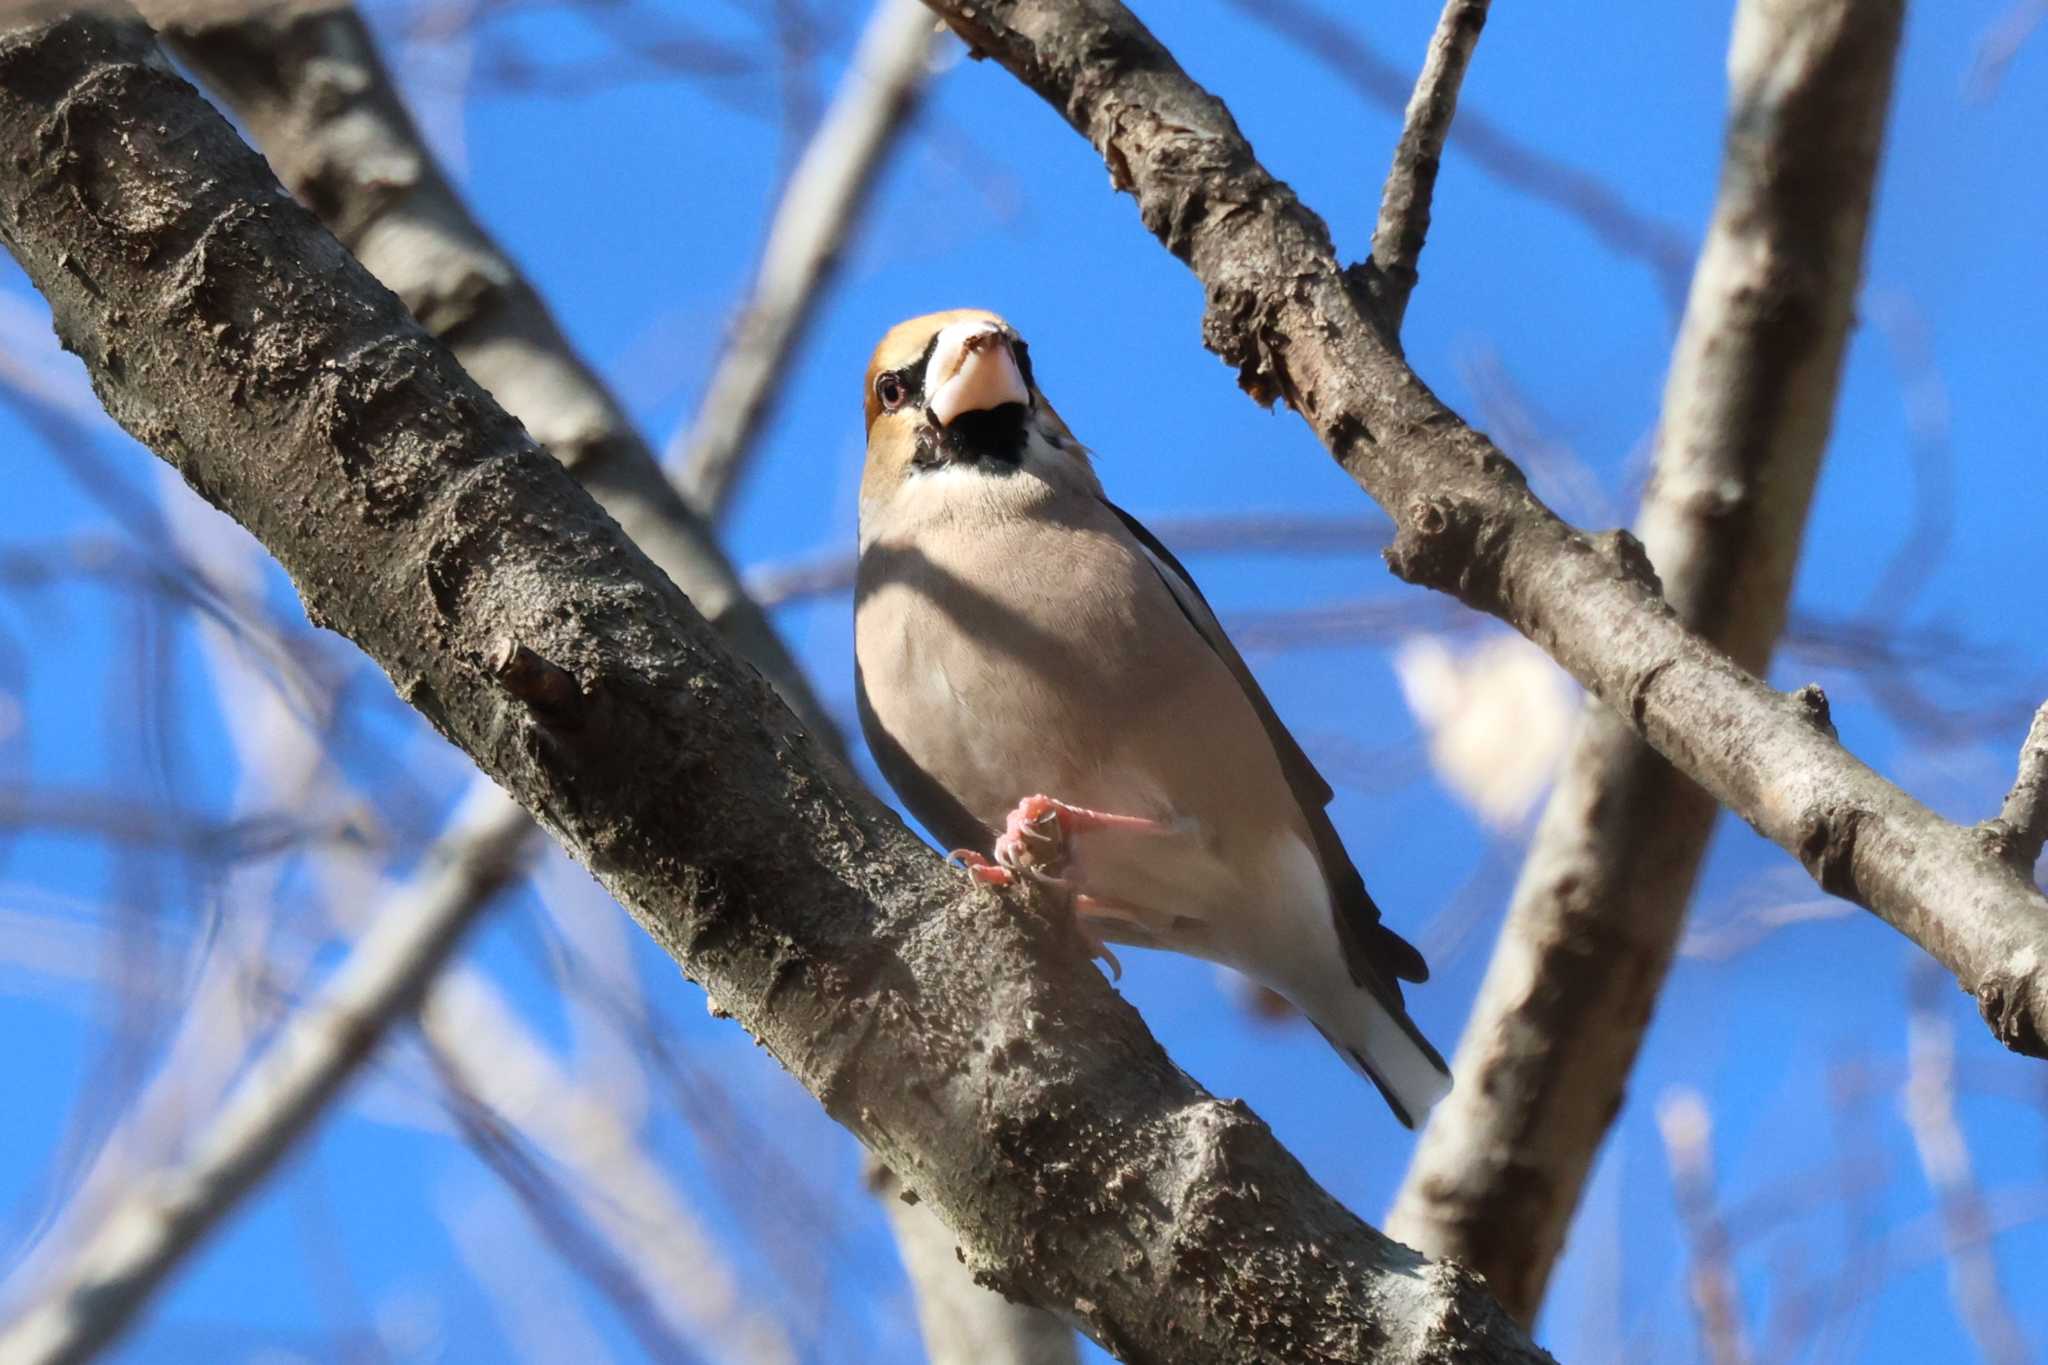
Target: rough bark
965,1039
1297,325
1601,901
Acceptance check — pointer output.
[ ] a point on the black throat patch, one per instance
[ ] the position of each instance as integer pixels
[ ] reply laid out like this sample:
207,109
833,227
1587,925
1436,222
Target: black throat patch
993,439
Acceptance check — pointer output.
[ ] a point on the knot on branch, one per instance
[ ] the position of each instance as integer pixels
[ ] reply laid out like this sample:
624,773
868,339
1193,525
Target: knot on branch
1631,561
2014,1002
1827,846
1234,327
1812,704
1452,546
548,690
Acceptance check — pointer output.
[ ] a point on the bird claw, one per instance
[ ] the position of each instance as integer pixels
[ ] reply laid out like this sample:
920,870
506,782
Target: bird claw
1097,948
980,869
1033,844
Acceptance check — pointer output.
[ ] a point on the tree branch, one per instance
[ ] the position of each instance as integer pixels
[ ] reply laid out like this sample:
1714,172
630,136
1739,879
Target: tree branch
1284,312
1687,1128
967,1041
281,72
1601,901
818,209
1404,202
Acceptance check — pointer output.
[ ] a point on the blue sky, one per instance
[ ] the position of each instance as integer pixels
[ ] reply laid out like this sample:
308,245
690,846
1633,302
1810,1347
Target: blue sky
636,207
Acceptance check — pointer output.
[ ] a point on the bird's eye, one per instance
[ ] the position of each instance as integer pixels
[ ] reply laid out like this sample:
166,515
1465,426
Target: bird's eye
889,388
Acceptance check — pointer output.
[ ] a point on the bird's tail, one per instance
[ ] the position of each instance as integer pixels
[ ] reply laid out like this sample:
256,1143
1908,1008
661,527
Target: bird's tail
1383,1045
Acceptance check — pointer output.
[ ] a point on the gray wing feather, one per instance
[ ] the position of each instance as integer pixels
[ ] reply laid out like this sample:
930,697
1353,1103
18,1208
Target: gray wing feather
1374,953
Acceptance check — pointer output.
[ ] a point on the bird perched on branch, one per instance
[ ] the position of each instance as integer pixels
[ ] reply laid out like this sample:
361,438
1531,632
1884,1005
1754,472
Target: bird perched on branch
1049,693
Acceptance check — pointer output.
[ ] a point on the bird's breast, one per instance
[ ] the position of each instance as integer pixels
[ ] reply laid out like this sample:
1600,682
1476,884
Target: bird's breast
1009,655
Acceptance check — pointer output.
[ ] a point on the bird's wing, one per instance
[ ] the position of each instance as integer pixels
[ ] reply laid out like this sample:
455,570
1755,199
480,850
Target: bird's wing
1370,948
937,809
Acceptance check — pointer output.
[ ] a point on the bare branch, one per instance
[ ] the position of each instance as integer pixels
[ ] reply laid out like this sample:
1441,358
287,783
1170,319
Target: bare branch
280,71
283,1091
819,207
481,1046
2022,824
1404,202
497,1145
1748,406
965,1039
1286,314
962,1323
121,820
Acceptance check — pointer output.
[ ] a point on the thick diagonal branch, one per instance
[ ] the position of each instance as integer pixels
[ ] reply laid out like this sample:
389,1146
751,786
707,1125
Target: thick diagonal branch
969,1045
1747,409
1284,312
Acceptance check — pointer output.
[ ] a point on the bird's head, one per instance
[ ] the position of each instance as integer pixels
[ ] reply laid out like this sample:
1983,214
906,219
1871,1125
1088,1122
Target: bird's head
952,393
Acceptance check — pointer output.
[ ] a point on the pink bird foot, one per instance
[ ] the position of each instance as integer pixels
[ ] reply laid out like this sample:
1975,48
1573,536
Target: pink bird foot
1034,844
1035,836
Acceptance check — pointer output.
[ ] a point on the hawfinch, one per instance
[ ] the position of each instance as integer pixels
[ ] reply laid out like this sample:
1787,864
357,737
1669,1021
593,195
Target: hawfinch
1039,678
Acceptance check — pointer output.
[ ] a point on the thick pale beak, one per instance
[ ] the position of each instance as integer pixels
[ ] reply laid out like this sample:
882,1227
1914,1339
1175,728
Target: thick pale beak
972,369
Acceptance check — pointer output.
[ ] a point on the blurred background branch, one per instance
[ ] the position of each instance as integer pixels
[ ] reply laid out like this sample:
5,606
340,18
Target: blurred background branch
823,200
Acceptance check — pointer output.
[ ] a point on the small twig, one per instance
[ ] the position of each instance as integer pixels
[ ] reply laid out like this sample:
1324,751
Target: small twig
1404,203
1929,1103
824,197
282,1092
2001,43
1493,148
2022,824
620,1189
1687,1130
